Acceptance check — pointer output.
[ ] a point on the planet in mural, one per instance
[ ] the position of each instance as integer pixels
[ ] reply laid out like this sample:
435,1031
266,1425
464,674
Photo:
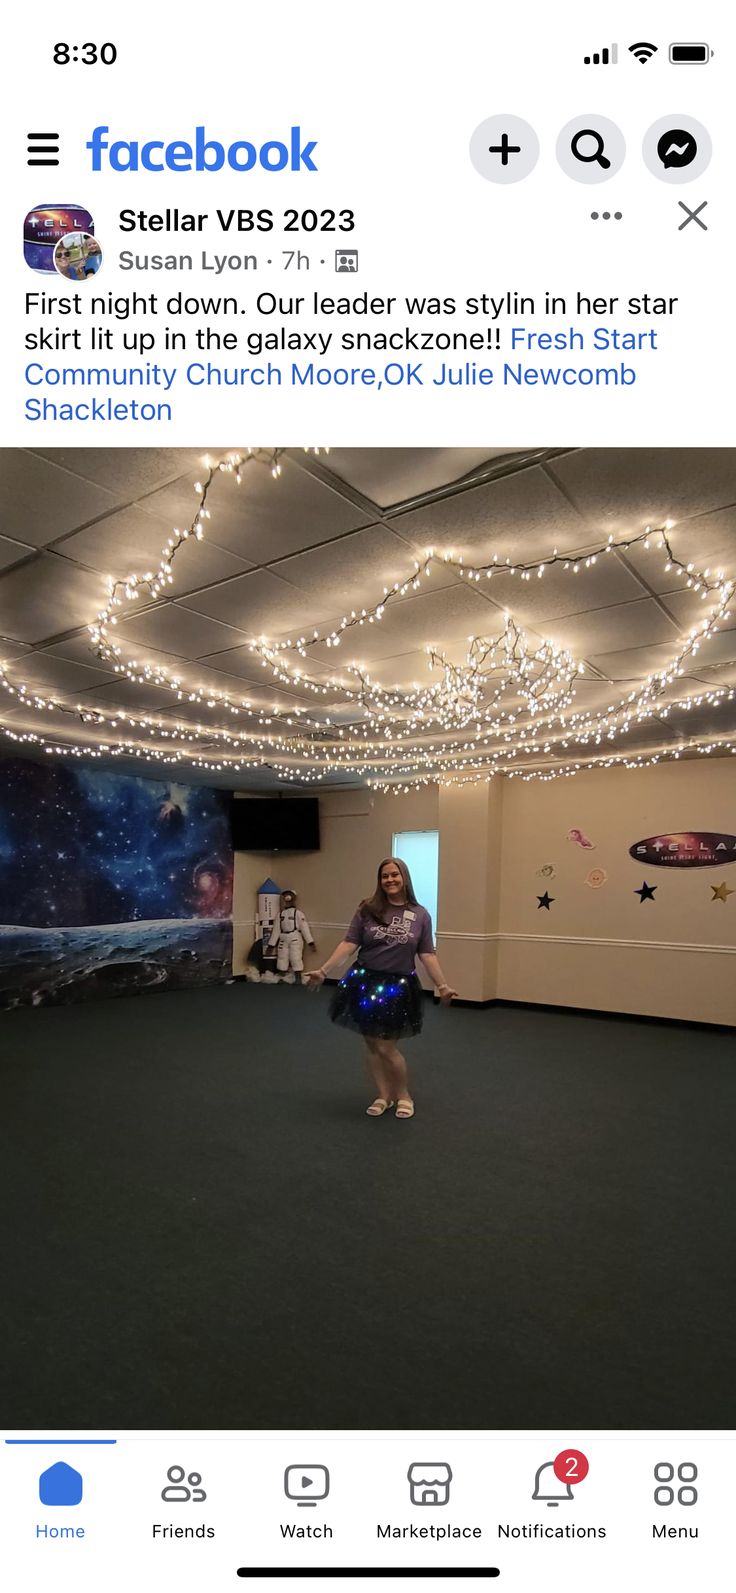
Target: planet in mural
212,887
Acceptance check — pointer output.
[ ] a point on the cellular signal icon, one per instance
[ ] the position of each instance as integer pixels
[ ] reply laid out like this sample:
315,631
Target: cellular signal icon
608,56
643,52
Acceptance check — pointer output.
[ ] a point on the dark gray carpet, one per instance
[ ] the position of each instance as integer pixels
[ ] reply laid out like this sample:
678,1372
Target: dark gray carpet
206,1231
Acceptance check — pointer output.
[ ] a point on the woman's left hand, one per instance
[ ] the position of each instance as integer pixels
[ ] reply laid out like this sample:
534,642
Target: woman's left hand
446,997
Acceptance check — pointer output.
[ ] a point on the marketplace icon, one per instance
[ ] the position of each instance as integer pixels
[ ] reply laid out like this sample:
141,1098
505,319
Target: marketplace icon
429,1483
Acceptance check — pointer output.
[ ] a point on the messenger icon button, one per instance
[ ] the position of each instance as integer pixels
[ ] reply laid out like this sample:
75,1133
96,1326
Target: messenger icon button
677,149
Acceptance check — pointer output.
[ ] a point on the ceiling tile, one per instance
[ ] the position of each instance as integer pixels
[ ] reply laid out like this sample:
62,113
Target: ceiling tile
264,519
441,617
124,543
131,542
78,649
707,720
259,604
593,695
171,628
708,541
723,675
193,675
687,608
391,475
40,501
684,686
127,694
720,648
57,674
523,516
242,665
624,489
45,596
13,552
126,473
353,573
559,592
625,625
240,692
10,649
632,664
401,669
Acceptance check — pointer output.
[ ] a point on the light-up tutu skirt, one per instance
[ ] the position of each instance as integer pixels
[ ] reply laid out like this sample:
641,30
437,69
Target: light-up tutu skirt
381,1006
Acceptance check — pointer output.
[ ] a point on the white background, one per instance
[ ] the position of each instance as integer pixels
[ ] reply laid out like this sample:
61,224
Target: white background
493,1480
392,94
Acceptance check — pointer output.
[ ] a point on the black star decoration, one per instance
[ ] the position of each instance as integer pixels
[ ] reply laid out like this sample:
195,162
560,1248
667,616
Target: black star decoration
646,892
545,900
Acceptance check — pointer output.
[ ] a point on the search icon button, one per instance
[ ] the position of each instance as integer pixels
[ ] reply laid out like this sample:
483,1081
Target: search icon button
591,149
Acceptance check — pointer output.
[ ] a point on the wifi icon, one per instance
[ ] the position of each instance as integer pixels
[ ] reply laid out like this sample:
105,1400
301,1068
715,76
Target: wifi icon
643,52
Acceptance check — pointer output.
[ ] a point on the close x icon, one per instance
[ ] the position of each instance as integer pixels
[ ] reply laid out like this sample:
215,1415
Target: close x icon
692,215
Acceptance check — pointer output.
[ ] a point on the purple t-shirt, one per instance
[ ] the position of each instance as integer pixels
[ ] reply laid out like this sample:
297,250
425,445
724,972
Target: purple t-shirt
391,947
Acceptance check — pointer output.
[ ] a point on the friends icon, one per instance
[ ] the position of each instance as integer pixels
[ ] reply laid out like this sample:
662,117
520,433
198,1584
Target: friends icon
179,1492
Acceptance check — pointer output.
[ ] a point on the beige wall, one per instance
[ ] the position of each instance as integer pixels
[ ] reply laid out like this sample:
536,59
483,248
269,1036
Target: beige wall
601,949
470,825
673,957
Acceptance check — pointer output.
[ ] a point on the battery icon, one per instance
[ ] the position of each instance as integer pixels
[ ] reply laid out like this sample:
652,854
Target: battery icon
690,54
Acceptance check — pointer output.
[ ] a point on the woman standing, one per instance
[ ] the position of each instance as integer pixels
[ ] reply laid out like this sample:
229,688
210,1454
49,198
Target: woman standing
380,997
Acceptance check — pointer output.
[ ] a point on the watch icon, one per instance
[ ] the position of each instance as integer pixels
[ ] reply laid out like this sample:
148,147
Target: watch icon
306,1484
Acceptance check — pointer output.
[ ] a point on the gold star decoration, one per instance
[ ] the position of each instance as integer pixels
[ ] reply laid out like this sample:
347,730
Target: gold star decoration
720,893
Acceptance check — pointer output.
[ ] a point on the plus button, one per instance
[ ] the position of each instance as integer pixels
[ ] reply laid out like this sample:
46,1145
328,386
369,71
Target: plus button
504,149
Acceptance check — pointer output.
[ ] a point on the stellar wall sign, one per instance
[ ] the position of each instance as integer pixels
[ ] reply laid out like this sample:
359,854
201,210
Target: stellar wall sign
686,849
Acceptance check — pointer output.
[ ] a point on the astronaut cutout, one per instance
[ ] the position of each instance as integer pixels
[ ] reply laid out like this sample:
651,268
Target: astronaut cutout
288,935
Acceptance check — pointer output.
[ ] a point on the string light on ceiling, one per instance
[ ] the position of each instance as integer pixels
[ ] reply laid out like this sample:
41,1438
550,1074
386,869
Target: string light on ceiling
306,758
510,699
401,780
129,588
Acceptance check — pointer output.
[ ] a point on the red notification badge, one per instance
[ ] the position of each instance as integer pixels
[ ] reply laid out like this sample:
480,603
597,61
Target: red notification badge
571,1465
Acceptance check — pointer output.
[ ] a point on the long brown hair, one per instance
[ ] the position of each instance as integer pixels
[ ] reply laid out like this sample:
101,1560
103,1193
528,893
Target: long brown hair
376,905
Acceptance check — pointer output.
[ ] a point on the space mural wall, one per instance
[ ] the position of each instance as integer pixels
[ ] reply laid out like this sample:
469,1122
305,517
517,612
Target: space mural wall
109,883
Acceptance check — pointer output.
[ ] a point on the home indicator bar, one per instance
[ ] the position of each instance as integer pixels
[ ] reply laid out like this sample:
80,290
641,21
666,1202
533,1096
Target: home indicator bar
365,1570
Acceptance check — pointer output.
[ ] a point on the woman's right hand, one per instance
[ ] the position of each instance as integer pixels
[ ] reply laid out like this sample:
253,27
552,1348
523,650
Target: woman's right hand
315,977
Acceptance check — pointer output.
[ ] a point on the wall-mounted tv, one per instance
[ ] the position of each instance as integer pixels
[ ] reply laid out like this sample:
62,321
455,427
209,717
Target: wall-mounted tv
275,824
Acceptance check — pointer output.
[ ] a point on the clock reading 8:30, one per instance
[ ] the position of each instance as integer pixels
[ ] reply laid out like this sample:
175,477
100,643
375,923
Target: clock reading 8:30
87,54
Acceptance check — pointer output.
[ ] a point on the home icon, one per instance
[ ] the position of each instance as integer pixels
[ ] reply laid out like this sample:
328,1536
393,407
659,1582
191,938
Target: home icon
60,1485
429,1483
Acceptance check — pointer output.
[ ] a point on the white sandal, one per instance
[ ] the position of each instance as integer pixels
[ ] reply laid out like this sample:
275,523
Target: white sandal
378,1107
404,1107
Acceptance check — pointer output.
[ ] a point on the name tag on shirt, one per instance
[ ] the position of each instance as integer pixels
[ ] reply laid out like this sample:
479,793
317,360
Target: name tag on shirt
407,914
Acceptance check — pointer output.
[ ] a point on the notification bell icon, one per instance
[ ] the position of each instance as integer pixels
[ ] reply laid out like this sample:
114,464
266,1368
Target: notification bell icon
548,1487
